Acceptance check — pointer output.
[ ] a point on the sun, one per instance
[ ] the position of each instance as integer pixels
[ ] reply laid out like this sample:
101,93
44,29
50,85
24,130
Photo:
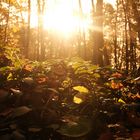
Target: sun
63,17
60,18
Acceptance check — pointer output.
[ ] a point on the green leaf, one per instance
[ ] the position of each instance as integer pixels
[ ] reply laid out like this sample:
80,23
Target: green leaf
28,81
3,69
121,101
67,82
78,128
17,135
19,111
53,90
16,92
10,77
96,75
53,126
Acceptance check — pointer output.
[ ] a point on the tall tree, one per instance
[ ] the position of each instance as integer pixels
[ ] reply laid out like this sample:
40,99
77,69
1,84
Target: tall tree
5,41
136,11
98,35
125,8
115,37
26,49
41,47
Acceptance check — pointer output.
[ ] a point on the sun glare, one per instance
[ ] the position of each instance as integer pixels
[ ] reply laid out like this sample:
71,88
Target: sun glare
63,16
60,18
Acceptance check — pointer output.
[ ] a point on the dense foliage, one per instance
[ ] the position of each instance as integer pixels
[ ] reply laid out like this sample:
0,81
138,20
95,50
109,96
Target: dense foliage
67,99
47,89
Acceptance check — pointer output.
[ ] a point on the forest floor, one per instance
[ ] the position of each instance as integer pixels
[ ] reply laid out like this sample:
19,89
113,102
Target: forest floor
68,99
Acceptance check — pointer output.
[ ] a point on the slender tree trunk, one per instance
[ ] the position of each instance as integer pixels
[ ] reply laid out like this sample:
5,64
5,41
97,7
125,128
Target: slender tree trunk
136,17
126,35
38,34
93,6
115,39
41,47
79,29
42,31
126,47
26,50
82,35
6,26
132,44
132,49
98,35
23,33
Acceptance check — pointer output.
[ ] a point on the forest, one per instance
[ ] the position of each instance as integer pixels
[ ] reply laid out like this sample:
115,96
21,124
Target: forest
69,69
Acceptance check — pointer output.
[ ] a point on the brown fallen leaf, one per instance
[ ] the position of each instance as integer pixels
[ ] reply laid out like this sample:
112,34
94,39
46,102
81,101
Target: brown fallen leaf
6,112
106,136
136,134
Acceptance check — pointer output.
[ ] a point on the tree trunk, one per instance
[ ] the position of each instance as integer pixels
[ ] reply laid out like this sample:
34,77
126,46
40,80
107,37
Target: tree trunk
115,39
132,49
26,49
98,35
136,17
79,30
82,35
42,32
126,35
6,26
41,47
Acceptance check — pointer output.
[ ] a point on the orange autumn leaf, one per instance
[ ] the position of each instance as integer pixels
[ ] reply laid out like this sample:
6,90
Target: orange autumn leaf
117,75
115,85
41,79
137,96
28,67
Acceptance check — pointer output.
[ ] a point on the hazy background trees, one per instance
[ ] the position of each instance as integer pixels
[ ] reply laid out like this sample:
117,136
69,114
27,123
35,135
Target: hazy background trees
113,39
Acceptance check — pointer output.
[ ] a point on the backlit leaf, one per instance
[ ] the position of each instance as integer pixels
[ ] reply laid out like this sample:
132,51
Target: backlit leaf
81,89
77,100
10,77
121,101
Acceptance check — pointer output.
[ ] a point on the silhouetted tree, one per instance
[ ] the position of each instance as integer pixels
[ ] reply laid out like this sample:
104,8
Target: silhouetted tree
98,35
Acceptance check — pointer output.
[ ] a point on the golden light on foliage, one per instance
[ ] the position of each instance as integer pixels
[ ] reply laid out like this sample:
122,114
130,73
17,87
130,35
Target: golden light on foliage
81,96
